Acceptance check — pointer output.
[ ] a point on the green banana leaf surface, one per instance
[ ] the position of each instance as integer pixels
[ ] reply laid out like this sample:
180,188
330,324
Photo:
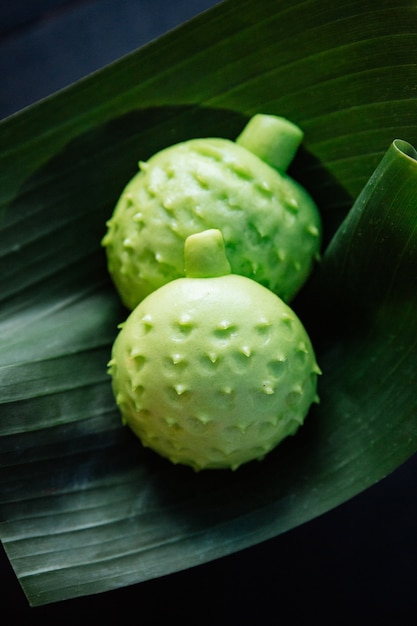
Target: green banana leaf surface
84,507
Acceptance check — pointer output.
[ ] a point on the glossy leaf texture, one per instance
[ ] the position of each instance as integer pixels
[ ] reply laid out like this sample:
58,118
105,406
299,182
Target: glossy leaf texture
84,507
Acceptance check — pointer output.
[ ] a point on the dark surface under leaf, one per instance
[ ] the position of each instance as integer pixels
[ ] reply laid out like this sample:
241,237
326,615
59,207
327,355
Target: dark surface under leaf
84,507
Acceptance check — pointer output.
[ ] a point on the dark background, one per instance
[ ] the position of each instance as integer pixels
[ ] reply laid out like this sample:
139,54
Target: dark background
354,565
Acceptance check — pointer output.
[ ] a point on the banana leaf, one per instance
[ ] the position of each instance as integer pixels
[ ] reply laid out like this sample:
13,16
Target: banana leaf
84,507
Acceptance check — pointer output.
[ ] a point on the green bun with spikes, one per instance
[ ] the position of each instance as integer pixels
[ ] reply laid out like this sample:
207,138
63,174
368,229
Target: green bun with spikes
271,225
213,370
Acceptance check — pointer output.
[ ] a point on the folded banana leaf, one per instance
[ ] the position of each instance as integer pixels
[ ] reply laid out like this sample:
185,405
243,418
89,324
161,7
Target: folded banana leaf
84,507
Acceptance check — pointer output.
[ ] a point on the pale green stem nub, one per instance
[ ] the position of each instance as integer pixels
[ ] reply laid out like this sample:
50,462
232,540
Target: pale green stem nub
205,255
273,139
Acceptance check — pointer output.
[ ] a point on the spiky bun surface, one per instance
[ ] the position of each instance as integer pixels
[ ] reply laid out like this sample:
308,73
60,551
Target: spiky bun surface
270,224
213,372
